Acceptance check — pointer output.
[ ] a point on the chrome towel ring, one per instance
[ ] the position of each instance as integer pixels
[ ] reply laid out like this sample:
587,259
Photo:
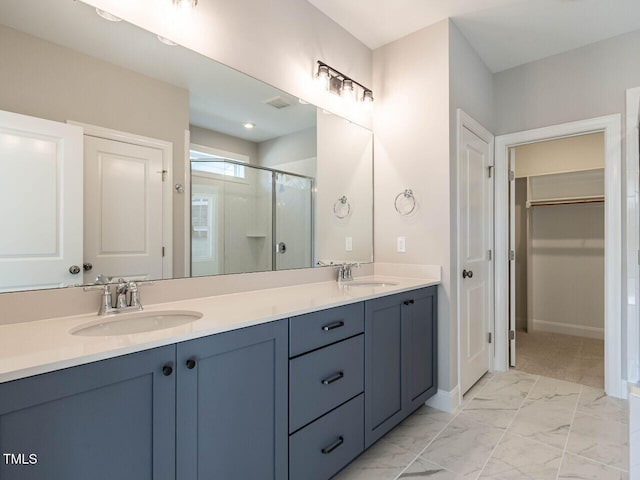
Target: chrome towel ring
340,206
405,202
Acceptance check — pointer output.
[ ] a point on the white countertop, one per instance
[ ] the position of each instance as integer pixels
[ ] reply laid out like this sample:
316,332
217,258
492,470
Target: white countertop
42,346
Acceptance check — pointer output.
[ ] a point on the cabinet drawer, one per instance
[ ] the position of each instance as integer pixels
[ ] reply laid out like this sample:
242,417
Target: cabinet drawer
322,380
314,330
323,448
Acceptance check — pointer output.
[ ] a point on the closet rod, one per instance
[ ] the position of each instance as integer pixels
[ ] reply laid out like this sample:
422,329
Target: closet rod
566,202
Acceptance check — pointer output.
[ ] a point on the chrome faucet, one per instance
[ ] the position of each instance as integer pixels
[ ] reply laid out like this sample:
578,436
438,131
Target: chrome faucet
122,289
345,273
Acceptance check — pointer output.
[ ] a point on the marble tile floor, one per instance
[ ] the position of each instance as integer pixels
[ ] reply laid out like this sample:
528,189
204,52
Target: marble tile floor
511,426
566,357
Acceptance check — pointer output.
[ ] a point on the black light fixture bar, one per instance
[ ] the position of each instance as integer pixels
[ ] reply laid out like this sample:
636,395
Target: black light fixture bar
336,73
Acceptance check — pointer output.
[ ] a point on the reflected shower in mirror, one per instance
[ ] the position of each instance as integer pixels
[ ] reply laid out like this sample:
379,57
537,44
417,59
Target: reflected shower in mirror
121,156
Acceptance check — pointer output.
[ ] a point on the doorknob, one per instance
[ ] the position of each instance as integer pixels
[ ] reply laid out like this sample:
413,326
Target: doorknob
74,269
467,274
281,247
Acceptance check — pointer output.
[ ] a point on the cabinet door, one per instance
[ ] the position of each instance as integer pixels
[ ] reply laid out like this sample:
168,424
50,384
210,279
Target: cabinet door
233,405
383,366
420,347
105,420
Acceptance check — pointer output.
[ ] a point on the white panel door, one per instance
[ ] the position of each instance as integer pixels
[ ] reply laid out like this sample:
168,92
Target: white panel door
476,277
40,203
123,210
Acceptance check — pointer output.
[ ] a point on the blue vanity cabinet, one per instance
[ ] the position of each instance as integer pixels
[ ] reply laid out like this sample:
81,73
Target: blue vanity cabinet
232,405
400,358
105,420
326,384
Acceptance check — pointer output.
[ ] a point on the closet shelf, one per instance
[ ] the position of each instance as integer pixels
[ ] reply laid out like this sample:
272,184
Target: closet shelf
565,201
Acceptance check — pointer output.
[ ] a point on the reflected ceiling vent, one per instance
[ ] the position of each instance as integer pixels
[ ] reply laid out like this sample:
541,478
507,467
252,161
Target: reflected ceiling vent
278,102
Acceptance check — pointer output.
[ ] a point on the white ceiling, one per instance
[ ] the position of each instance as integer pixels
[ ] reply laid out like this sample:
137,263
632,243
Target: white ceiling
505,33
220,98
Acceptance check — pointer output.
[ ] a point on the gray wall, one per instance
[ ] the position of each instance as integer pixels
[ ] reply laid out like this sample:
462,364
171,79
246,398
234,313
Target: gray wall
587,82
291,148
221,141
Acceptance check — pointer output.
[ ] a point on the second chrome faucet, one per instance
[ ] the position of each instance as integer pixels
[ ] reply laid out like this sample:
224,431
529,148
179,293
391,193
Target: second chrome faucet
127,297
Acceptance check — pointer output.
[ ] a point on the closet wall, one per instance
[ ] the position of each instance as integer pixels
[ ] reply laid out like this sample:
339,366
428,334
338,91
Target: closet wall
560,248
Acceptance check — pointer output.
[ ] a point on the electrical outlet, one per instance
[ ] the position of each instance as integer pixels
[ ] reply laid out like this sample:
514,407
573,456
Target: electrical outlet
348,244
402,244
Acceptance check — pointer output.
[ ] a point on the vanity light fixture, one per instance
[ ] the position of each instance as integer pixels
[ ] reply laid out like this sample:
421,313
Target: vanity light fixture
249,125
337,82
108,16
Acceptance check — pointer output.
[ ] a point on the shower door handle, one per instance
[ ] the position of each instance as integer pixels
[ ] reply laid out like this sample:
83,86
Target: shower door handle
281,247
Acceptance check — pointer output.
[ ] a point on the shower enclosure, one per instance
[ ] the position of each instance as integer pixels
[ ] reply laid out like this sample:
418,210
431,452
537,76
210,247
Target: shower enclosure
246,218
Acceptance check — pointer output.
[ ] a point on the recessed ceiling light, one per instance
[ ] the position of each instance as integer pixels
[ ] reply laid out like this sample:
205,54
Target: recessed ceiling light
166,41
249,125
108,16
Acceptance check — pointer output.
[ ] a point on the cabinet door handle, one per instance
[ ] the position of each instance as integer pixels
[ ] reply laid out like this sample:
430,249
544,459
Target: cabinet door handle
327,450
167,370
409,302
333,378
332,326
191,363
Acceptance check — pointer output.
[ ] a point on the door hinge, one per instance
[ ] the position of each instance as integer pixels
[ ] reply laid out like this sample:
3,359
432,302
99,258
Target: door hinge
490,170
512,175
164,174
512,255
163,251
489,255
512,335
489,338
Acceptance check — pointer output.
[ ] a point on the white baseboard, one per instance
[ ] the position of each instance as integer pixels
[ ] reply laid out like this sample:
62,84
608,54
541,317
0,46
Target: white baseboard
568,329
447,401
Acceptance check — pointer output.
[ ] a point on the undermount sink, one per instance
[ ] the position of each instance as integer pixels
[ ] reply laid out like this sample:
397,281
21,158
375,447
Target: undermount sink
370,284
128,323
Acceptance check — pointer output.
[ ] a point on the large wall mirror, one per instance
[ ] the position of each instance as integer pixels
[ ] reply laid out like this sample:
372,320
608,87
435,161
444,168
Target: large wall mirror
122,155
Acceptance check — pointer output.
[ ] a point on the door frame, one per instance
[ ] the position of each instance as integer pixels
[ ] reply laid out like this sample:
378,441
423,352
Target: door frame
633,239
466,121
167,186
614,293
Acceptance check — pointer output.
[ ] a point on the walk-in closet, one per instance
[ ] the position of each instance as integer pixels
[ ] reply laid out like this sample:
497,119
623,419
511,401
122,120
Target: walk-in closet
558,231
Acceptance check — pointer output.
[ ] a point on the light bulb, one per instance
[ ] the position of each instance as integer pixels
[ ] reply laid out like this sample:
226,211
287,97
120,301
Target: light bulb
347,88
322,77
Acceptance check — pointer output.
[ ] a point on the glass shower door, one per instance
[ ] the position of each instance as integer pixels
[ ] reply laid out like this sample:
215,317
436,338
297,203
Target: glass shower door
293,221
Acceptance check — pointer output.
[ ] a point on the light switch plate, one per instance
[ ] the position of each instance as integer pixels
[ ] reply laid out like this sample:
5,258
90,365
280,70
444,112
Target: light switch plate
348,244
402,244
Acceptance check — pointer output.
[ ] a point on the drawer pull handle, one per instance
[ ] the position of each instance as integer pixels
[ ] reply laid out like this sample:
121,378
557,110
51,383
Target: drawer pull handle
332,326
167,369
333,446
333,378
409,302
